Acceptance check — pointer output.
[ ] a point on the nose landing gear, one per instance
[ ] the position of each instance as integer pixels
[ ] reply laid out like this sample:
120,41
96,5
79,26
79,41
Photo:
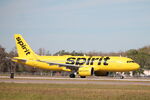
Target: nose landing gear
120,75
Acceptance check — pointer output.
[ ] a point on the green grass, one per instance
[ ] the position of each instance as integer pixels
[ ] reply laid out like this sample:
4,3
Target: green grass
16,91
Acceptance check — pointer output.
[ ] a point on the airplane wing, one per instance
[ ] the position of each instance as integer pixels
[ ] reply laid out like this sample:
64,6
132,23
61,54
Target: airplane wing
69,66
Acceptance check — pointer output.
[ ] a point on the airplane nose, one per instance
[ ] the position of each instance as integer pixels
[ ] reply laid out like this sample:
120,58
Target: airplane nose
136,66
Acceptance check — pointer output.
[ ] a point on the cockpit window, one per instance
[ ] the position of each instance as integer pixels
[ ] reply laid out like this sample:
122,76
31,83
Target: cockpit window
130,61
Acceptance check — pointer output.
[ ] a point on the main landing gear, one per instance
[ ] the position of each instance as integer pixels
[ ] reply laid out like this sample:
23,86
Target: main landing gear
82,76
73,75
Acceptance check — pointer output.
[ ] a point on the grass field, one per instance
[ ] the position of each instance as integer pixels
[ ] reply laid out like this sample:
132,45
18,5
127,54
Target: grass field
16,91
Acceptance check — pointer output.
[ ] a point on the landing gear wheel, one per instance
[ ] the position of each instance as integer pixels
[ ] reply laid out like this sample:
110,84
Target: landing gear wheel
72,75
82,76
122,77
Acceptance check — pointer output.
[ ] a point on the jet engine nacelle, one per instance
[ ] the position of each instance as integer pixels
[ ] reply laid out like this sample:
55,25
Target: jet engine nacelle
86,71
101,73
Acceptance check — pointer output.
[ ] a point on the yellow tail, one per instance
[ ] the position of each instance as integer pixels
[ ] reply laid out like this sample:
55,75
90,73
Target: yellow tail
24,50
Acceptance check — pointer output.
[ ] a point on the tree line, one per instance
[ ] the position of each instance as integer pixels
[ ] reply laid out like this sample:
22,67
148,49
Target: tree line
141,56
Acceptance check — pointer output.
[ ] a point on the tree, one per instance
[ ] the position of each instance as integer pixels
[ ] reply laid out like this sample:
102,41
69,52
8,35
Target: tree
3,60
41,51
74,53
141,58
61,52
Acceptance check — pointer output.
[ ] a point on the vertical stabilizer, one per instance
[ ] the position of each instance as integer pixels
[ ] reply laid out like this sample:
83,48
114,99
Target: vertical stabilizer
24,50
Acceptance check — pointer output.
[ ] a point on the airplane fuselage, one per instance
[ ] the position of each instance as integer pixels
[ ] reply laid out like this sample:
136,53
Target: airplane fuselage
99,63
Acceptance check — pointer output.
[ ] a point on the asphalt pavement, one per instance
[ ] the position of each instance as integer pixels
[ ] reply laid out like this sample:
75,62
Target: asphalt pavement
62,80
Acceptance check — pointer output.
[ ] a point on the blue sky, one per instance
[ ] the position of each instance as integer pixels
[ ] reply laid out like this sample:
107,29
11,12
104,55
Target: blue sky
81,25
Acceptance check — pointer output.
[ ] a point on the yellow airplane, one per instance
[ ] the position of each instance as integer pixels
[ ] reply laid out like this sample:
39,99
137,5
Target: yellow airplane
81,65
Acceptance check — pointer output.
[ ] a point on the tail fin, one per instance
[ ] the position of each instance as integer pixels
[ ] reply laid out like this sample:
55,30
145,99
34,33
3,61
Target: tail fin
24,50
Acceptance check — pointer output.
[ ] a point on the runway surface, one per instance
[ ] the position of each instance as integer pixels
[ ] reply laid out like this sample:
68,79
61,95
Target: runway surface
56,80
